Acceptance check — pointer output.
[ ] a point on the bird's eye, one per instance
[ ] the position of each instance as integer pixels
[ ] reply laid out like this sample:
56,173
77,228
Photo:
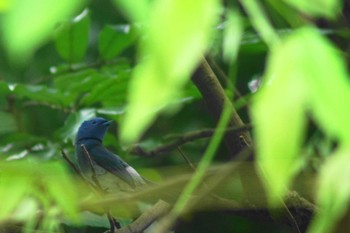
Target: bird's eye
94,122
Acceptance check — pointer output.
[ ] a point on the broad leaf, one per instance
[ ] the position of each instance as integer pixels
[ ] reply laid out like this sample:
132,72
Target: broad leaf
298,81
326,8
72,37
8,123
177,36
232,36
114,39
43,94
28,23
334,191
57,181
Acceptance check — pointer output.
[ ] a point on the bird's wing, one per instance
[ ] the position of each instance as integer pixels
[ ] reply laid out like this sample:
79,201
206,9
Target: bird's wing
112,163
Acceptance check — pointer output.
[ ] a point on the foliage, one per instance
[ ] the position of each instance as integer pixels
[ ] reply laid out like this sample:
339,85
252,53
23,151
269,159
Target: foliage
132,61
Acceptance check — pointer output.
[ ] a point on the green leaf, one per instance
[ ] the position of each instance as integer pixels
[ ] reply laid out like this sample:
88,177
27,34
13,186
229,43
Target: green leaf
28,23
75,81
260,21
57,180
43,94
328,83
110,91
177,36
279,120
13,188
114,39
72,37
298,81
334,191
4,89
326,8
232,36
8,123
20,180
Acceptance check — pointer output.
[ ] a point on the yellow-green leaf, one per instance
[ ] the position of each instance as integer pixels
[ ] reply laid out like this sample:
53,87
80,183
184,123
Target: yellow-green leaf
61,189
305,74
28,23
334,191
177,36
232,36
326,8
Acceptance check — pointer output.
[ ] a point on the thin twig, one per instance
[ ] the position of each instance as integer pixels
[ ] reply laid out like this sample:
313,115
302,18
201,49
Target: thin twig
72,165
189,137
64,155
290,217
93,171
188,161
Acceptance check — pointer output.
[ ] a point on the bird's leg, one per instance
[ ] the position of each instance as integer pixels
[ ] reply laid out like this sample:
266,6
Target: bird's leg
114,224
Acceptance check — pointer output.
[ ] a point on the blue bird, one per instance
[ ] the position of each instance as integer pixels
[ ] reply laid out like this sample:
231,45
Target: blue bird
112,172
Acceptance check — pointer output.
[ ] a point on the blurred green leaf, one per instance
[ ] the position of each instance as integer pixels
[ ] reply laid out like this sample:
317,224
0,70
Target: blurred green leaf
27,24
328,83
334,191
137,10
114,39
326,8
279,127
178,34
57,180
297,81
4,89
260,21
7,124
20,180
232,36
12,189
72,37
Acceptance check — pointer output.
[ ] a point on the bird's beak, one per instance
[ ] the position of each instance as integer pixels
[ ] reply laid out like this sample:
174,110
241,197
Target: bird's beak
108,123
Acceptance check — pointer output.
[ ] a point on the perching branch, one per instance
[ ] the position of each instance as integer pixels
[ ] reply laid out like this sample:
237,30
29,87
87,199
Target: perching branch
216,180
183,139
147,218
72,165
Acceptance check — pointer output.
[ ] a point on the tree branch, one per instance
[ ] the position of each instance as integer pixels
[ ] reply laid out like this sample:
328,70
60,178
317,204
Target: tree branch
183,139
216,181
215,97
157,211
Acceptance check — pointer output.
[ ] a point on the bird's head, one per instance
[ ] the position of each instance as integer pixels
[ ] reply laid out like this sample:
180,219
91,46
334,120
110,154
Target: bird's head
93,129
